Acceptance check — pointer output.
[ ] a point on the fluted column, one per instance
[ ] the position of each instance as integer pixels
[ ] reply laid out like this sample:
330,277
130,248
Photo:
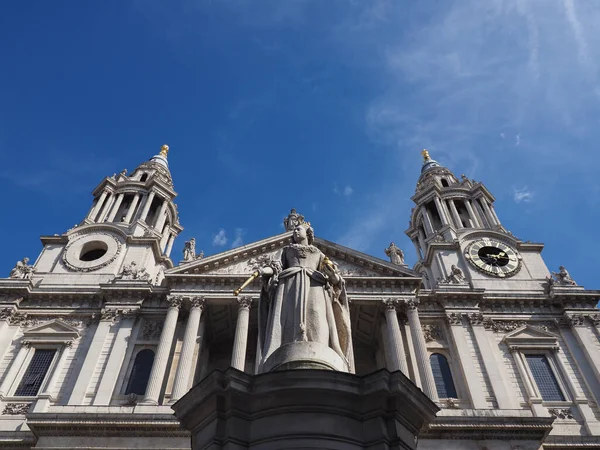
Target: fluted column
427,220
455,214
147,205
96,208
488,212
441,211
472,214
170,244
184,369
421,350
159,221
106,208
238,358
9,378
161,358
132,207
115,208
395,347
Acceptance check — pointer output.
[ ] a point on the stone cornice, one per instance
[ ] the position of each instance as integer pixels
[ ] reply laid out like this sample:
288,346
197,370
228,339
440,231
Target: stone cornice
105,425
487,427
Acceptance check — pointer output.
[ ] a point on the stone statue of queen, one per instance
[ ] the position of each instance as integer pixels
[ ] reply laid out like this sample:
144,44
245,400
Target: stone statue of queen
304,317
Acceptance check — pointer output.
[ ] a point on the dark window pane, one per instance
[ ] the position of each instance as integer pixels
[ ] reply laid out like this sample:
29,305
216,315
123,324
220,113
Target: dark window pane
544,378
442,376
36,372
138,380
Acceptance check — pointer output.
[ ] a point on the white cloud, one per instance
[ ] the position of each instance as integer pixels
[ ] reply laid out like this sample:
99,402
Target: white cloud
238,240
220,239
346,191
523,195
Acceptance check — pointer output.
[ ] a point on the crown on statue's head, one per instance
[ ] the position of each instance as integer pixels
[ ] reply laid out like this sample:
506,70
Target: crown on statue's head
304,224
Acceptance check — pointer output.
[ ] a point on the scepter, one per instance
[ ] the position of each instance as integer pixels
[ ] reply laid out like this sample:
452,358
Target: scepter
246,283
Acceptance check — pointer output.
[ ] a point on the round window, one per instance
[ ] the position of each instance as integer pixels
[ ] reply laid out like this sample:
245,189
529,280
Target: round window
92,251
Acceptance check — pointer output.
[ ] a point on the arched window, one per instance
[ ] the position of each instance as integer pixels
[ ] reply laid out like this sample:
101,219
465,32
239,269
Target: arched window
445,182
442,376
138,379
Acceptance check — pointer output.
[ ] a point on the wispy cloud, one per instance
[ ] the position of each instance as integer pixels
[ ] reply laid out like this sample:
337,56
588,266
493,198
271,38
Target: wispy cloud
220,239
523,195
346,191
238,239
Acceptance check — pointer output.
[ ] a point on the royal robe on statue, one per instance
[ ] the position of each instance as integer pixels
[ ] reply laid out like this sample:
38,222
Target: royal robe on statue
299,303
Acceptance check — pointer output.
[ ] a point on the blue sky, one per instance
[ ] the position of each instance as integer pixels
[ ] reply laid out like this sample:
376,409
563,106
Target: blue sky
321,105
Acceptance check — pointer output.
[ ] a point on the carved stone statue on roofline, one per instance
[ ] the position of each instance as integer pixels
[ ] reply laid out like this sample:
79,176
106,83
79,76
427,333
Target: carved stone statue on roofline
562,277
22,270
395,254
304,316
131,272
189,251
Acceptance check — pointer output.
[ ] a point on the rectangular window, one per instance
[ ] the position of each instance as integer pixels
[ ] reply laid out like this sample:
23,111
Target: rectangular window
36,372
544,378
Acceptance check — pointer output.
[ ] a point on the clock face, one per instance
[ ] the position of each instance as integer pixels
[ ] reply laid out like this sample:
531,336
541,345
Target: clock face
494,258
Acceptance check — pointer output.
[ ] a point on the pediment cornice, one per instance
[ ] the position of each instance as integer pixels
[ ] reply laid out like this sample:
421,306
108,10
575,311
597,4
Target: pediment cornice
370,265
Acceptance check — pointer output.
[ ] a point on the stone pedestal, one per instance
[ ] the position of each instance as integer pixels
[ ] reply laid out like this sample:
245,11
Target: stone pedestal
304,409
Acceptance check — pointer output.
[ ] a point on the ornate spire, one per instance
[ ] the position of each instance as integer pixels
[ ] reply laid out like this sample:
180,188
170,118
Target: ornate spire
428,163
425,154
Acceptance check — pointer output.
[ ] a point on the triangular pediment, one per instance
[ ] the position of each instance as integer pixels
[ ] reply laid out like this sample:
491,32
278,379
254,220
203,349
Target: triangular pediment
243,260
531,337
52,331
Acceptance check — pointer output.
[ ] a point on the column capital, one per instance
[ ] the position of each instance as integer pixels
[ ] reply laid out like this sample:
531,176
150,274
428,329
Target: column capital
198,302
454,319
174,301
475,318
245,302
574,320
391,304
411,303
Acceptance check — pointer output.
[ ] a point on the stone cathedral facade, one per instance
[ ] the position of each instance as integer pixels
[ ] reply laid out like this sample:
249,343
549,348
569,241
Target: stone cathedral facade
106,334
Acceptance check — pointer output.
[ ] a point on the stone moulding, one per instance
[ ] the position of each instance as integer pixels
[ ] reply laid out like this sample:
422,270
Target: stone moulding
277,409
486,427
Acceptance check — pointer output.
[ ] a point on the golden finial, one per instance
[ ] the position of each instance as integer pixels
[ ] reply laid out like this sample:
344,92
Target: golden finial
164,150
425,154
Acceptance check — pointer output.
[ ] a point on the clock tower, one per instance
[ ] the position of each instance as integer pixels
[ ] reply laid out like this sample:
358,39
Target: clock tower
460,240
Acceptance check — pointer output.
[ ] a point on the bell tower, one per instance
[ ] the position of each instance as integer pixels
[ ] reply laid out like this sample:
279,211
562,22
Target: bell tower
459,238
128,232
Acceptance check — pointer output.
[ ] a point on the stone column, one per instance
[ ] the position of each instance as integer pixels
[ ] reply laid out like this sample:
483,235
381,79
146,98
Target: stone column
441,211
395,347
159,221
170,244
494,215
472,214
422,242
238,358
132,207
147,205
421,350
427,221
110,374
412,355
497,373
16,365
467,364
166,234
586,339
106,208
184,369
418,249
94,211
115,208
488,212
157,374
91,358
455,214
